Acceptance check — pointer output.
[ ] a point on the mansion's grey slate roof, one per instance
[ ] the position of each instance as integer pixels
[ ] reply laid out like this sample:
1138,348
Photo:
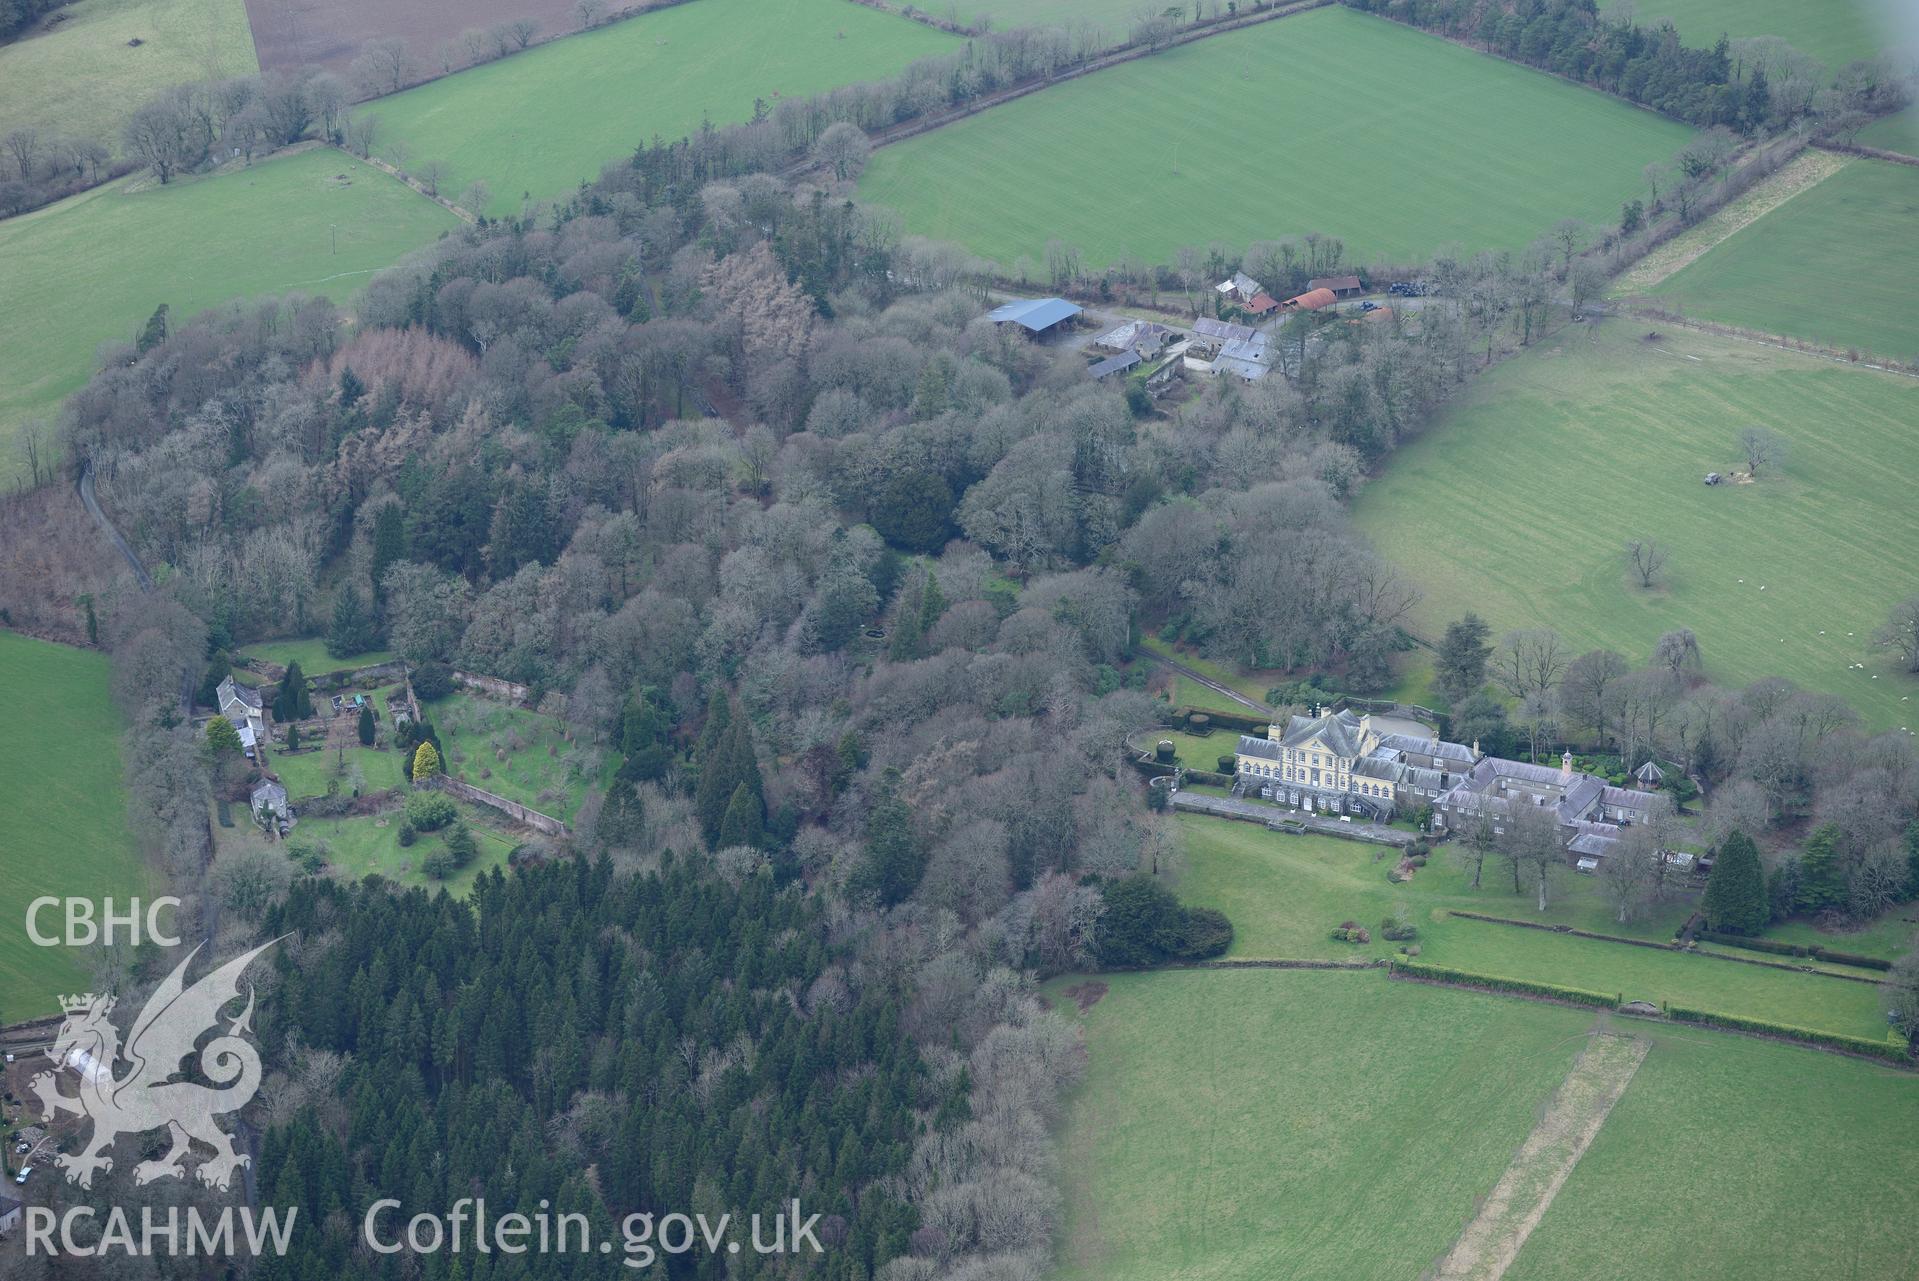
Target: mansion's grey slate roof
1492,767
1437,747
1340,731
1625,798
1430,780
1374,767
1580,797
1249,745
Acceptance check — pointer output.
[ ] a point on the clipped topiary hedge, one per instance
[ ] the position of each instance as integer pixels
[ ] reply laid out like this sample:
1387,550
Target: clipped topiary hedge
1773,946
1777,948
1890,1051
1501,983
1852,958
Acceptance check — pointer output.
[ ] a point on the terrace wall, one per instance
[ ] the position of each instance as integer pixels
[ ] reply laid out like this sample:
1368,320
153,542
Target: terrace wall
512,809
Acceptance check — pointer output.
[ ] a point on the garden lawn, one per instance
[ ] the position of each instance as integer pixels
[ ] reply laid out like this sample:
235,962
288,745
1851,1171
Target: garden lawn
1191,750
1517,503
92,269
541,122
361,846
1811,1161
1833,31
311,654
1432,143
306,774
1837,264
63,826
83,78
1272,1123
543,771
1284,894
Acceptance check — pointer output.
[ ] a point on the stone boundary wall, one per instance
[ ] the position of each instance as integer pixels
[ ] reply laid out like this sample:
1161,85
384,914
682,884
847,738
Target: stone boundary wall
512,809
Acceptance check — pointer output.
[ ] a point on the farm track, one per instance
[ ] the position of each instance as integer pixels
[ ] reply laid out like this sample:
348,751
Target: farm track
1797,176
1545,1160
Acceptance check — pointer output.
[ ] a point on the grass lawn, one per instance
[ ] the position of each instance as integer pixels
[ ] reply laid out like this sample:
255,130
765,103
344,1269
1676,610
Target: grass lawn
1730,1159
369,844
1833,31
306,774
1836,264
311,654
1558,456
83,79
1272,1123
540,122
1439,145
92,269
63,827
515,753
1896,132
1192,751
1284,894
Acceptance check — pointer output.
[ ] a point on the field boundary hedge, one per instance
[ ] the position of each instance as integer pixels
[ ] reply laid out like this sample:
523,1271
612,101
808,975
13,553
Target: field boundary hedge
1564,929
1781,949
1448,977
1111,57
1888,1051
1282,963
1814,950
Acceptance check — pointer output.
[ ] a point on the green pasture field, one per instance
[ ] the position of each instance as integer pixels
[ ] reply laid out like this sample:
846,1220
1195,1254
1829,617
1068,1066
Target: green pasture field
310,653
1518,503
540,122
370,844
82,78
543,771
1837,264
1285,894
1275,1123
1427,143
91,269
1812,1161
63,826
306,774
1896,132
1833,31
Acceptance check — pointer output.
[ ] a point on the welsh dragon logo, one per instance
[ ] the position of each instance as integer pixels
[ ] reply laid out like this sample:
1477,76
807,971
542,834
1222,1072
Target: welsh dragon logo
148,1097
